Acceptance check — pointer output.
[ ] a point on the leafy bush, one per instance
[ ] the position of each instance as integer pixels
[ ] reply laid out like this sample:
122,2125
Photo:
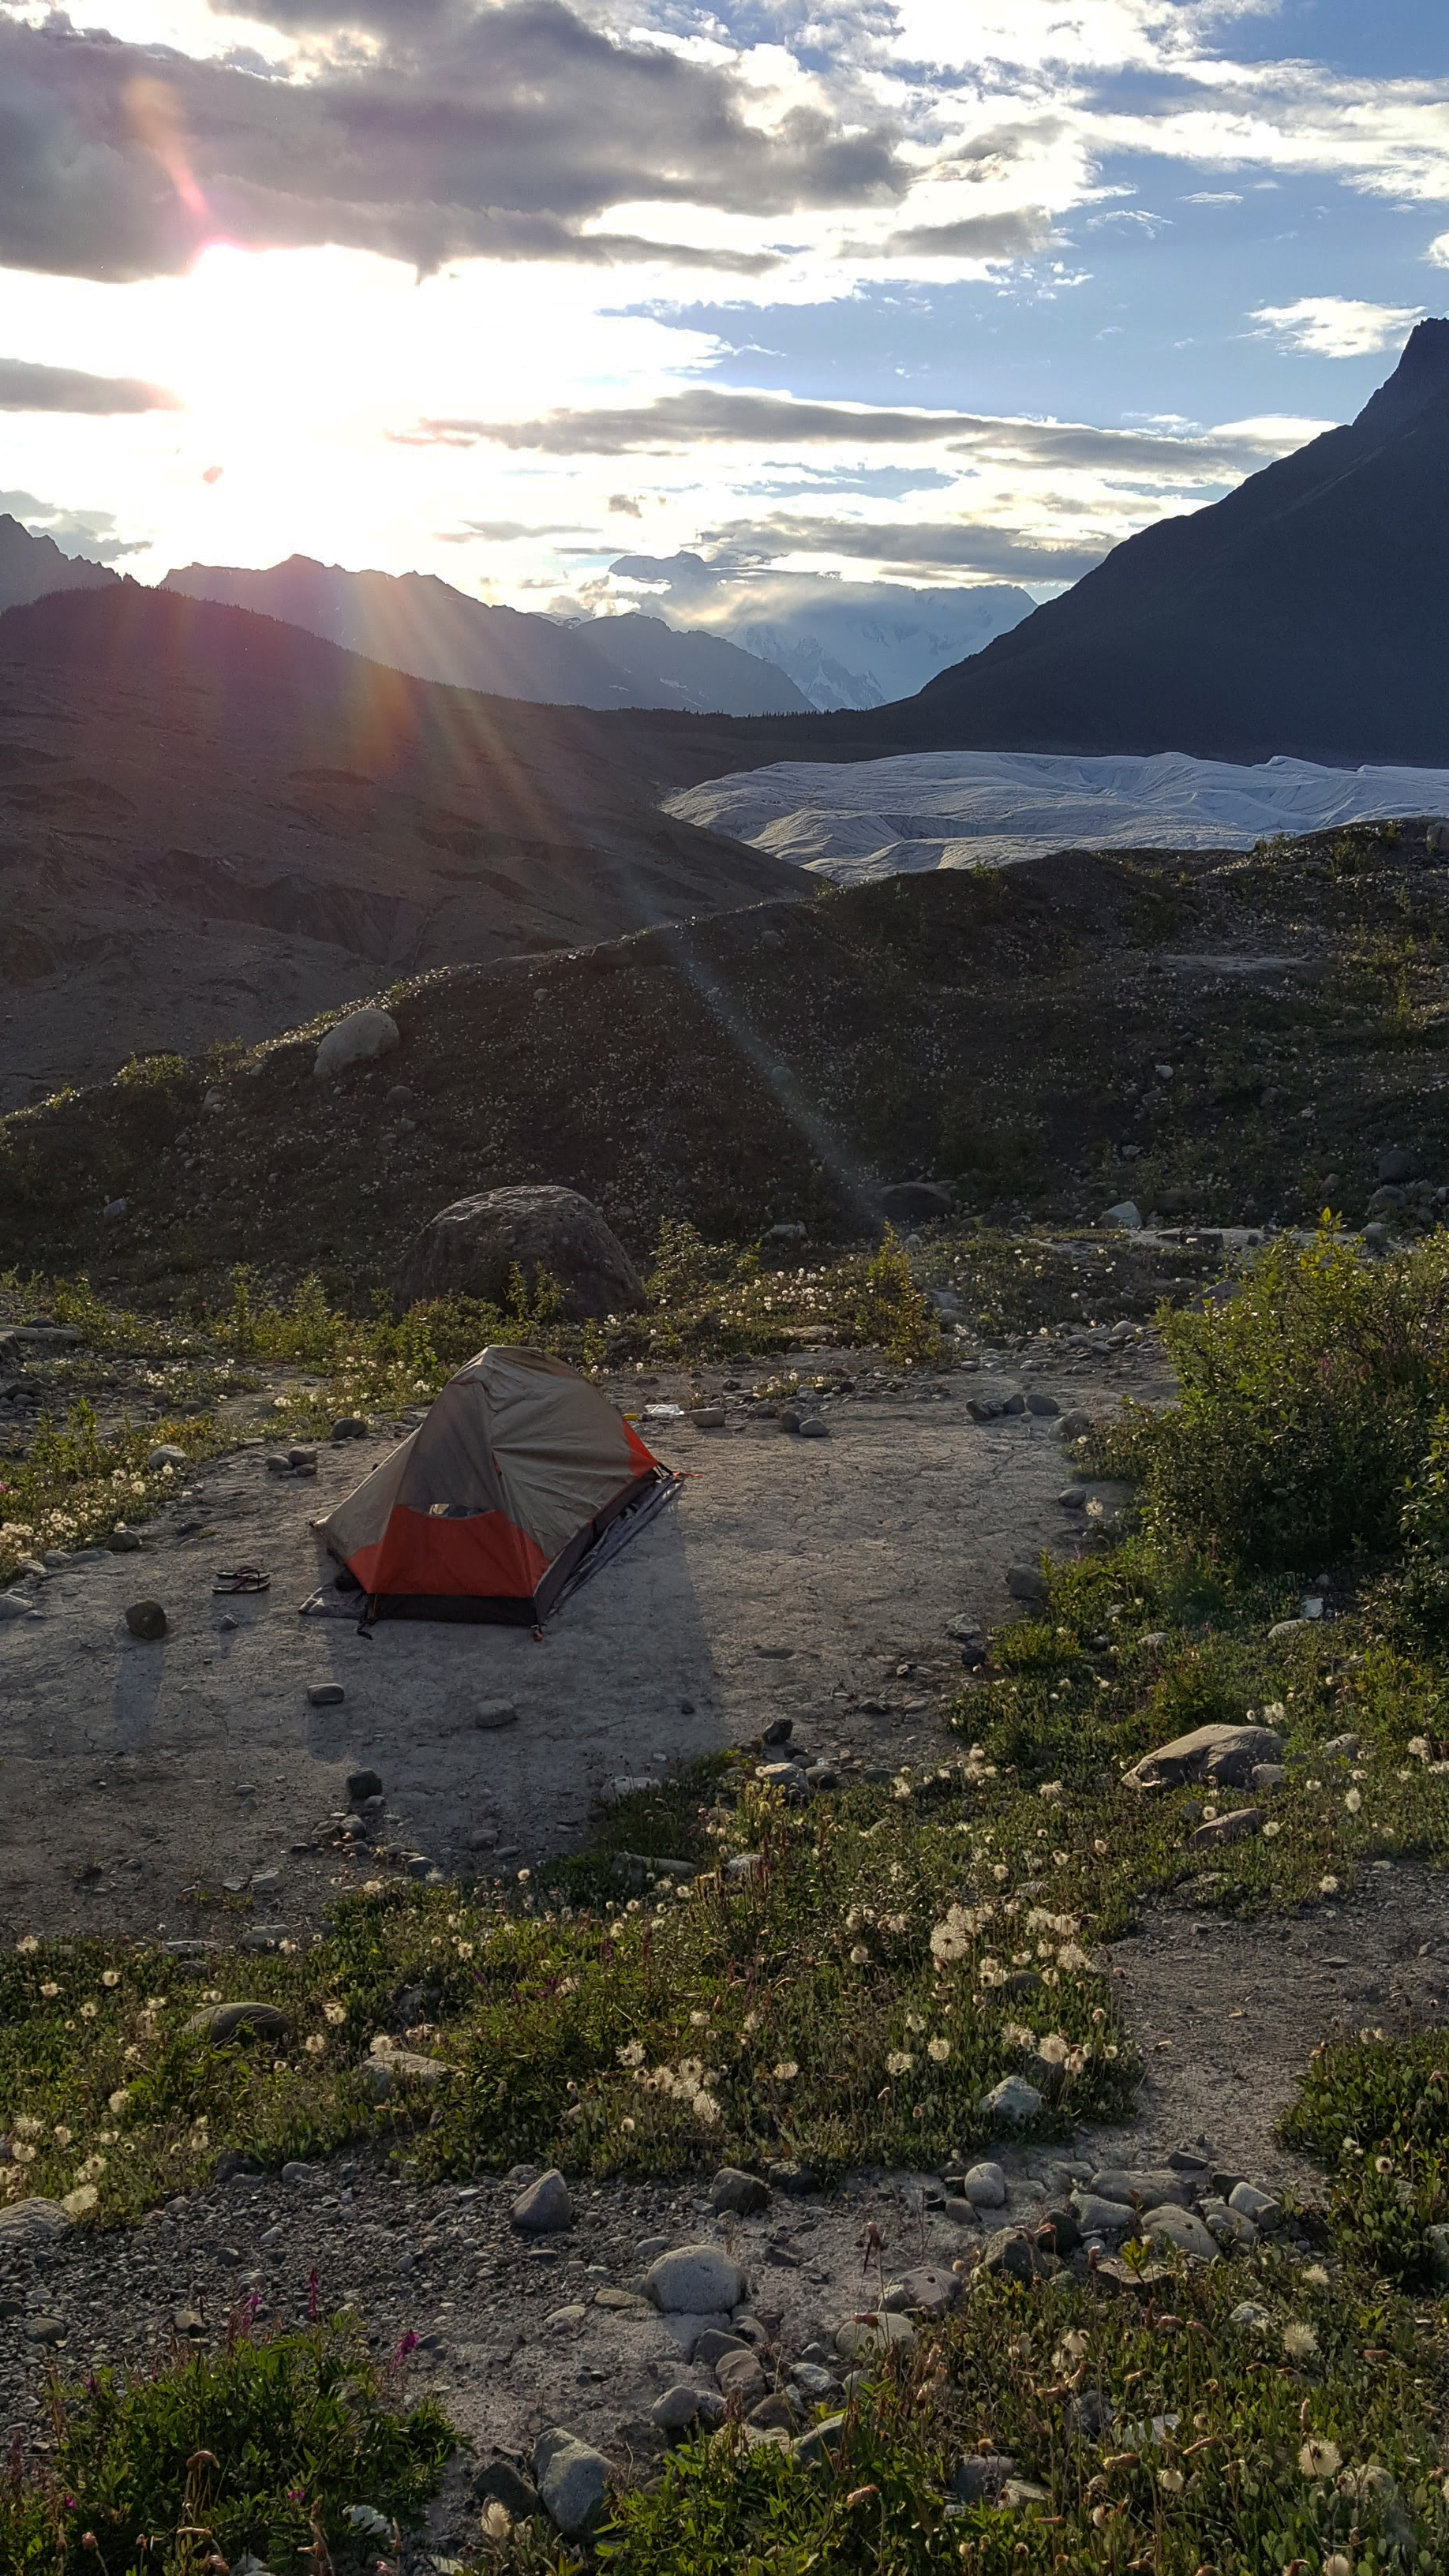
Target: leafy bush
1376,2110
1305,1404
261,2447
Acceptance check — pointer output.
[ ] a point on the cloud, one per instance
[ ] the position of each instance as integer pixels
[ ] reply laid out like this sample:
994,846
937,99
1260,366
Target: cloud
1214,197
1336,326
1015,233
75,532
498,133
624,506
712,415
24,387
988,553
1437,253
506,532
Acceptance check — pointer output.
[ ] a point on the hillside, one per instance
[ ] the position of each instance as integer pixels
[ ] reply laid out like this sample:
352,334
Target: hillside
31,567
415,623
1231,1037
212,825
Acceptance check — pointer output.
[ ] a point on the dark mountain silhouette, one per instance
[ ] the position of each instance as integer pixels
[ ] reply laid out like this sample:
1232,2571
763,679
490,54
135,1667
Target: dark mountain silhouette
414,622
1307,613
31,567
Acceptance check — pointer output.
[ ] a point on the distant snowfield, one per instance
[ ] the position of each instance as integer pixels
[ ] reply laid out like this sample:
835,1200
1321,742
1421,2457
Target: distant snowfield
969,809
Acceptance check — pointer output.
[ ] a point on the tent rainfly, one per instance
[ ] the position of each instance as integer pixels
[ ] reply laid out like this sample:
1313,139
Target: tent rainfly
522,1477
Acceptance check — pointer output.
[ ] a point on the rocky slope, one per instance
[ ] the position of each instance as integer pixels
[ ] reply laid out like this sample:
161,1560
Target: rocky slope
212,825
1229,1036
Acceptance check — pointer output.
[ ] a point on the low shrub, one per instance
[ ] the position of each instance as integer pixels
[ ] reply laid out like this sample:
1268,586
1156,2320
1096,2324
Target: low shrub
1305,1404
261,2447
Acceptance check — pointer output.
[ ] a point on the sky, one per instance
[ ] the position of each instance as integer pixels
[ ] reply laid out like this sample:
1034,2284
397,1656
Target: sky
944,291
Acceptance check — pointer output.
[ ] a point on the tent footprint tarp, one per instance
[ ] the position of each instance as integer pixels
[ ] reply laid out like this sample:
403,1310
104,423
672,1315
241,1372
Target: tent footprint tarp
496,1504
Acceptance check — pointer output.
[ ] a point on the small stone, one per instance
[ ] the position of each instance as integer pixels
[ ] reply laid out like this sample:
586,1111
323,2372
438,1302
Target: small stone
1011,2100
545,2206
47,2330
221,2022
775,2413
1183,2230
706,1417
1234,1828
362,1784
740,2375
985,2186
13,1606
609,2297
1018,2493
862,2338
698,2280
147,1620
572,2479
677,2409
349,1426
567,2320
814,2379
32,2222
113,1209
1044,1406
495,1713
168,1455
1012,2251
714,2343
930,2291
188,2321
820,2443
325,1694
1250,2202
980,2476
1026,1583
1099,2217
501,2483
1073,1498
812,1428
124,1542
1126,1215
376,2078
743,2193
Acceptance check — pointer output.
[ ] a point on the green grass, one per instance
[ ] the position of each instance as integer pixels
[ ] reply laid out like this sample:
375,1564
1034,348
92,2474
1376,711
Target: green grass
262,2446
1311,2441
798,2010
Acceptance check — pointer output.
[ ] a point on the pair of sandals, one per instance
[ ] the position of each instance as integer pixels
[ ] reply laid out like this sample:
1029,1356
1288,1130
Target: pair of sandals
242,1578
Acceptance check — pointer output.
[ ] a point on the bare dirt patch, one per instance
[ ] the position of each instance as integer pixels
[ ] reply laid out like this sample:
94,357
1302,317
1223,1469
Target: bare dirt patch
808,1578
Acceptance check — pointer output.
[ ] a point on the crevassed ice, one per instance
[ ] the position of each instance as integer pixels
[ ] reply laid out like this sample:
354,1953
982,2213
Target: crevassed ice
954,809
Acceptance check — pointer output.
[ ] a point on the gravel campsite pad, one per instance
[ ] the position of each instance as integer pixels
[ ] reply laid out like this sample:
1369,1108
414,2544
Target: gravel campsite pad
803,1577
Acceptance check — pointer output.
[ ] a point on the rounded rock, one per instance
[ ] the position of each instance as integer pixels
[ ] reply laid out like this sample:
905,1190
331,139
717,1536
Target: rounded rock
695,2280
147,1620
545,2207
360,1038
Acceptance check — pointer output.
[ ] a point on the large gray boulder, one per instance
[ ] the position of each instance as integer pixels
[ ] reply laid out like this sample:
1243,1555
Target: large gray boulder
359,1039
1225,1755
470,1248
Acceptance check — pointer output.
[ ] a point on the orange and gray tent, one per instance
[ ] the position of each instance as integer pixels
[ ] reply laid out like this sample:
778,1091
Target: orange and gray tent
520,1481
